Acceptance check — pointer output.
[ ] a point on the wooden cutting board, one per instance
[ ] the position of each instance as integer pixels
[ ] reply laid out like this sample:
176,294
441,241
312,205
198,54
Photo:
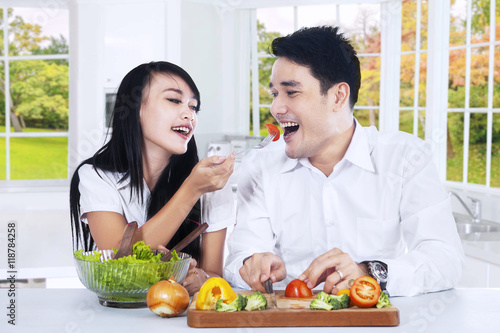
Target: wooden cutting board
291,312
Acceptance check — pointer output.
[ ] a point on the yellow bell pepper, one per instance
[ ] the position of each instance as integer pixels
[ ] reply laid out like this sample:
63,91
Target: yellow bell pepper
211,291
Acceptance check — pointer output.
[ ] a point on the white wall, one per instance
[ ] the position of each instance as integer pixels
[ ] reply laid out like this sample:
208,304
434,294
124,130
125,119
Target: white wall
211,53
134,33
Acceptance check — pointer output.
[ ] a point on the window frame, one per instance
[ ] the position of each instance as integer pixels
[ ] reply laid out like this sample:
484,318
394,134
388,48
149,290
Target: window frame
6,59
467,110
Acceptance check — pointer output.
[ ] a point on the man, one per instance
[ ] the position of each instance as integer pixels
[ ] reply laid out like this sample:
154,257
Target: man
339,201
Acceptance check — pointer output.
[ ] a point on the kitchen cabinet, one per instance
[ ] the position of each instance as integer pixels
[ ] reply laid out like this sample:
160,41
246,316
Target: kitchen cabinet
479,274
482,264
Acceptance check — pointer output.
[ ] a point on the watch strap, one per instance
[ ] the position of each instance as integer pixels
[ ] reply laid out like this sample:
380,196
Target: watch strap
382,283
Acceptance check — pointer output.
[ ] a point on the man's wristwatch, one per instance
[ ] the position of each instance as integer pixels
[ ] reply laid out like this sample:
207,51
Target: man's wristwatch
378,271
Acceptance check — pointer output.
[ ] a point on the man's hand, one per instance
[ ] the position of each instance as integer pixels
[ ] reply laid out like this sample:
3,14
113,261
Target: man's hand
260,267
335,268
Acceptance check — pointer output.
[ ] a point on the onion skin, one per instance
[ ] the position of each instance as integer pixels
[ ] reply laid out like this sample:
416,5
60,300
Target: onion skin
167,298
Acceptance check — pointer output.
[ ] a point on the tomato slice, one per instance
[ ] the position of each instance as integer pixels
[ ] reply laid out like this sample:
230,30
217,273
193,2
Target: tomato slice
273,129
365,292
298,288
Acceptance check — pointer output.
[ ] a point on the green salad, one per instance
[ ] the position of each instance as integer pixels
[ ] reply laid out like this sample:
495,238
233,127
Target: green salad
123,275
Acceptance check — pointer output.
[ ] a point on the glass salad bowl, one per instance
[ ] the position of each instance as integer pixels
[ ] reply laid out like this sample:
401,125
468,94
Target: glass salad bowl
126,284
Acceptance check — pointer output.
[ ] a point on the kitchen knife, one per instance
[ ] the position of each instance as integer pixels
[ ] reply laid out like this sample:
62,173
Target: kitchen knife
268,285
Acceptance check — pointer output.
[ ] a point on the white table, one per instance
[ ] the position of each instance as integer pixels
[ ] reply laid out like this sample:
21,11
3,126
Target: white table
77,310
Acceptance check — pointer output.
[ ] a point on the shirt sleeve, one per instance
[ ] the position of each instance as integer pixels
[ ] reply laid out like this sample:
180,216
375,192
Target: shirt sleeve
218,209
97,193
434,258
252,232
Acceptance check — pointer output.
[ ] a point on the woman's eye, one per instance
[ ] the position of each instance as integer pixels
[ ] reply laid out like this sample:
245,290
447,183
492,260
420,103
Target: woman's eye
194,108
290,92
274,95
174,100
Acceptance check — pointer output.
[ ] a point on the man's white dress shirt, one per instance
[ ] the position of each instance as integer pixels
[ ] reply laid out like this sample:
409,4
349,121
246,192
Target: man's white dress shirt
103,192
383,201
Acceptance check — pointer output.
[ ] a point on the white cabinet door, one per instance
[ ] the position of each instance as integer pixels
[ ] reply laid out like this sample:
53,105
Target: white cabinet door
475,274
494,276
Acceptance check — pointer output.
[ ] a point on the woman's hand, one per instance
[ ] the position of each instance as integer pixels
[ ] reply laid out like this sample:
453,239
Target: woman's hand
195,278
211,174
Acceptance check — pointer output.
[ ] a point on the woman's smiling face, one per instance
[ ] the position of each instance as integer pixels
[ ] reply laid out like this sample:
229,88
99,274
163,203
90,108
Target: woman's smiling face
168,115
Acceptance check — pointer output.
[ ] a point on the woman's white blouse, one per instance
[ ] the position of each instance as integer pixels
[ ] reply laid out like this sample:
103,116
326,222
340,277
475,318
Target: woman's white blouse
103,192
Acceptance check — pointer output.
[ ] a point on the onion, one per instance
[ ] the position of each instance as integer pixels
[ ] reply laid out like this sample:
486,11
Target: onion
167,298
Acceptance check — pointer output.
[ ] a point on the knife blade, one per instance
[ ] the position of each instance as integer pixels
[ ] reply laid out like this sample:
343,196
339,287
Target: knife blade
268,285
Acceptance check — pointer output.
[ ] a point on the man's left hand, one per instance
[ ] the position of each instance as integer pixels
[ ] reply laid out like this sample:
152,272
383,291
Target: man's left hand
335,268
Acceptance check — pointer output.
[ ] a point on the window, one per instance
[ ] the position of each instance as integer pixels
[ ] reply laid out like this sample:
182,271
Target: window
473,121
473,140
34,94
413,67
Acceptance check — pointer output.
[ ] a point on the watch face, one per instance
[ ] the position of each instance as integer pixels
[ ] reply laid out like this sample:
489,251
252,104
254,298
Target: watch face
379,271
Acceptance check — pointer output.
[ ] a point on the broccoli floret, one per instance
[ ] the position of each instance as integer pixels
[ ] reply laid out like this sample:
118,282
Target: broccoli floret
237,305
383,301
325,301
318,304
339,302
256,301
322,296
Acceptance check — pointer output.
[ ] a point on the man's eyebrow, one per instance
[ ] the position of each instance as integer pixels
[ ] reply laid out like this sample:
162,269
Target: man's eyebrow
291,83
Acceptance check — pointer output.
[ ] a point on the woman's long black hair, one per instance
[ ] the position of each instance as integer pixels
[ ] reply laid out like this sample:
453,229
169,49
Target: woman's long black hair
123,154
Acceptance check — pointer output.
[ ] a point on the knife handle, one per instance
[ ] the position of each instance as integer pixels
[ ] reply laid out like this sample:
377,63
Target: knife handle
268,285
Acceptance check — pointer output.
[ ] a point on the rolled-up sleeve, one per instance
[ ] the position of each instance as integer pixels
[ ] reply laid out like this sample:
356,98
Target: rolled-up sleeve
434,259
252,232
218,209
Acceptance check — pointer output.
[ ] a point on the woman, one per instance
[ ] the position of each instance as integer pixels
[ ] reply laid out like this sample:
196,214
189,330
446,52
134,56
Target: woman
149,172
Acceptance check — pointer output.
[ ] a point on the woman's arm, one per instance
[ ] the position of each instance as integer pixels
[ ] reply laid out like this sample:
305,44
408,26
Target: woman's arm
107,227
212,257
212,252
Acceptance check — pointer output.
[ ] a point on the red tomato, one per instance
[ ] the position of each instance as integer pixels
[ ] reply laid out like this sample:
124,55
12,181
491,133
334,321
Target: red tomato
297,288
365,292
272,129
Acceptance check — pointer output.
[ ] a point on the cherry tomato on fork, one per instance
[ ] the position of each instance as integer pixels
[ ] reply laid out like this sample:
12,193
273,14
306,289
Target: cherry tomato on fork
272,129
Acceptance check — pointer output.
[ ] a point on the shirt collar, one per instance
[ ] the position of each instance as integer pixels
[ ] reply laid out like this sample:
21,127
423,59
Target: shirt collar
358,152
290,163
123,184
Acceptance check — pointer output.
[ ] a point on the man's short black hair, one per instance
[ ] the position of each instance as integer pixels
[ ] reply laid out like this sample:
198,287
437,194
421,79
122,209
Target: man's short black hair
329,55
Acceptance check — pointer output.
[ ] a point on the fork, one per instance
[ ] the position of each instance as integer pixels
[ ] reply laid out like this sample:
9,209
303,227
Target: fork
267,140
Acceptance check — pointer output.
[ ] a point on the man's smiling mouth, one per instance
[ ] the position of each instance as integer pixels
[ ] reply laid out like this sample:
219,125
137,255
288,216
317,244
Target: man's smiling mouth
289,128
